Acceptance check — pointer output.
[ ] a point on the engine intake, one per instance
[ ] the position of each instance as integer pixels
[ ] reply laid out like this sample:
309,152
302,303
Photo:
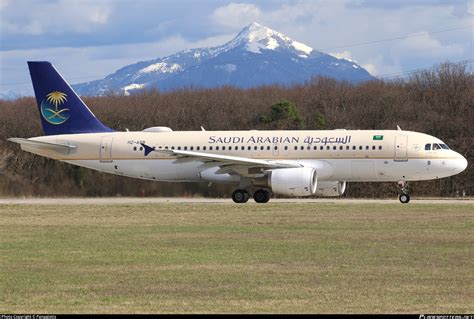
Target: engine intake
301,181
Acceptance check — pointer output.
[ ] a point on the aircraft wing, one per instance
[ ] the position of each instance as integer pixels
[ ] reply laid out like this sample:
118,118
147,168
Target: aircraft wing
228,164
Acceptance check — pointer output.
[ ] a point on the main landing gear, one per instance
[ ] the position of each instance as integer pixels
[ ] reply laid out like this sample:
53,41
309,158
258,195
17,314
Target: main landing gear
242,196
404,197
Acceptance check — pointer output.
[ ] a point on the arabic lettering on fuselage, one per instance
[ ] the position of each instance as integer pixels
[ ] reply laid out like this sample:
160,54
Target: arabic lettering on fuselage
279,140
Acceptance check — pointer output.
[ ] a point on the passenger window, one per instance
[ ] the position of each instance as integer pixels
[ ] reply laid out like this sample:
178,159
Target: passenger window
347,147
367,147
328,147
268,147
134,148
191,148
321,148
373,147
334,147
296,148
198,148
255,148
428,147
341,148
380,147
354,147
275,148
204,148
179,148
302,147
261,148
243,148
185,148
217,148
210,148
172,147
360,147
223,148
249,148
315,147
286,147
141,148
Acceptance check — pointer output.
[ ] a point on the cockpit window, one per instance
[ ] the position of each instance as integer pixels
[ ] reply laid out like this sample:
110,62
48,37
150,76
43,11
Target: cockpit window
436,146
444,146
428,147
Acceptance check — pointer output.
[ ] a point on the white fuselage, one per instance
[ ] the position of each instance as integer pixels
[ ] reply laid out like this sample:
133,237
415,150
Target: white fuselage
337,155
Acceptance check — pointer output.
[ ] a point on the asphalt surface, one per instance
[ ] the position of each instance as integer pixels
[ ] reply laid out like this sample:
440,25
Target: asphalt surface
198,200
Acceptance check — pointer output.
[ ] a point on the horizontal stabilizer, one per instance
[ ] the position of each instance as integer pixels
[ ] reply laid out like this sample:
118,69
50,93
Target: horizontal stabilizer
40,145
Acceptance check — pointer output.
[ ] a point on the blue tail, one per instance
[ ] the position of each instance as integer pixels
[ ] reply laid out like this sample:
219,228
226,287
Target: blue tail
61,110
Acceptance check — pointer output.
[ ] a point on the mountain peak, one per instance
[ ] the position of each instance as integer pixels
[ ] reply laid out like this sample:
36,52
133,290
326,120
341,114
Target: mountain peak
258,37
256,56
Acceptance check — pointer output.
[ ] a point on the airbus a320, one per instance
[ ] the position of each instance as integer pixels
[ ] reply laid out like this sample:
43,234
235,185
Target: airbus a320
286,162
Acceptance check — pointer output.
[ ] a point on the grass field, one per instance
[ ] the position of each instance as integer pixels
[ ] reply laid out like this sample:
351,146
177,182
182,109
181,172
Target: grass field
221,258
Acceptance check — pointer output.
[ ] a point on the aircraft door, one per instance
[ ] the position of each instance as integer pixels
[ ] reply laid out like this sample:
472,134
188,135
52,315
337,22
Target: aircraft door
401,142
106,149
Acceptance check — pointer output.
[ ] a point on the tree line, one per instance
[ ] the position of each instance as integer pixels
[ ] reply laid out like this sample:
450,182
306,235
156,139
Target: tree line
437,102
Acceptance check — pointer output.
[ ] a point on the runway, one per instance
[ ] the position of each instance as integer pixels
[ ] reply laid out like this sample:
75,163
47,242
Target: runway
223,201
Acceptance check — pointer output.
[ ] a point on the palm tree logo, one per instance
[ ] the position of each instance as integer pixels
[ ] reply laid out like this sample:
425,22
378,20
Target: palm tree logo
50,108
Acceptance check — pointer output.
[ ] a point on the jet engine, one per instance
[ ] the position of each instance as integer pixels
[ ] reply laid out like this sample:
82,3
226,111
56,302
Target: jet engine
330,188
301,181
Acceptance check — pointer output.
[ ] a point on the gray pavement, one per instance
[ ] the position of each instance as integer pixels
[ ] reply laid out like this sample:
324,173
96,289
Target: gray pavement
200,200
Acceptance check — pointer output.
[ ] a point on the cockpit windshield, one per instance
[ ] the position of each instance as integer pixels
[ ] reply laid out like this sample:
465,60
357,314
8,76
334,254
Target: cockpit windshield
436,146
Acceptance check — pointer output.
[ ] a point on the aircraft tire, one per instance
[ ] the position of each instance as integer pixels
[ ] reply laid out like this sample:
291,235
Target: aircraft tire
404,198
261,196
240,196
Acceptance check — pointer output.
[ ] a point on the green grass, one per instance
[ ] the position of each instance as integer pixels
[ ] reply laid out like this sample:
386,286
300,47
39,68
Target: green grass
219,258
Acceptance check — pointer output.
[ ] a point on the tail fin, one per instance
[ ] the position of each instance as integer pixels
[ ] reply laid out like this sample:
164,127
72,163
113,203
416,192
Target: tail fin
61,110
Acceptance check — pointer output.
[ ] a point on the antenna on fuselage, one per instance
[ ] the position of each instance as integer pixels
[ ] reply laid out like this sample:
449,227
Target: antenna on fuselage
398,128
202,128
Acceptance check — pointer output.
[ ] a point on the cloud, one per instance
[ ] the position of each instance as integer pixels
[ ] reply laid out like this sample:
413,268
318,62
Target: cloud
3,4
343,55
429,47
84,64
236,15
63,16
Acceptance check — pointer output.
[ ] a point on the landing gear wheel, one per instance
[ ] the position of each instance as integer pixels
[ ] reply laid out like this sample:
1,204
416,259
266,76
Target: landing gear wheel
404,198
240,196
261,196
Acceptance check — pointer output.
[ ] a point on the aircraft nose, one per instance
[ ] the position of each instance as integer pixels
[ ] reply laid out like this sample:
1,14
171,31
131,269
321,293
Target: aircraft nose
459,164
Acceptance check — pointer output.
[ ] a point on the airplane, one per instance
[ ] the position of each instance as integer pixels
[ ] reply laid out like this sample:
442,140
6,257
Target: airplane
295,163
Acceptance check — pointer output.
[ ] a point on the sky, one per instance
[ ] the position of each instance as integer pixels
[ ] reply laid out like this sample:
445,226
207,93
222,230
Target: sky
89,39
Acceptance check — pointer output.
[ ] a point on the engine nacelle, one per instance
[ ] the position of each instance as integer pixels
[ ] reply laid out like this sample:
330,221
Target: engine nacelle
330,188
301,181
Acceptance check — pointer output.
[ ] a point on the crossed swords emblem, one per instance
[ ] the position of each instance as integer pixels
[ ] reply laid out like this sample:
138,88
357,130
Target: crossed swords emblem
56,98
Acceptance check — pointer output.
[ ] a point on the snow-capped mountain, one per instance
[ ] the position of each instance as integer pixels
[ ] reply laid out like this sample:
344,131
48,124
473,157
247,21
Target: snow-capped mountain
256,56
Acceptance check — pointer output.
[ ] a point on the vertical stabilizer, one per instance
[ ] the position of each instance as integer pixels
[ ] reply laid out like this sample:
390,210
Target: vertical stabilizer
61,110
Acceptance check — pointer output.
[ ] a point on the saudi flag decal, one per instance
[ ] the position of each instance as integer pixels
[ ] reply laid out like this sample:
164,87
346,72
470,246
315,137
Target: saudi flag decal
377,137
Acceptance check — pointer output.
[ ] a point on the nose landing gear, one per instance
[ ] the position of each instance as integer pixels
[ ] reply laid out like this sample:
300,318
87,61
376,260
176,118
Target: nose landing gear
404,197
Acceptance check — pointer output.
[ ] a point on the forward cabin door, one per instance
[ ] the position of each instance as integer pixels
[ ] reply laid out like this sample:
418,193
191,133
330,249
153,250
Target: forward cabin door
401,142
106,149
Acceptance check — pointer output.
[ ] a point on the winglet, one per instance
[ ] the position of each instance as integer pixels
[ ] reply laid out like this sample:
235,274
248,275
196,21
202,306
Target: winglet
148,149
